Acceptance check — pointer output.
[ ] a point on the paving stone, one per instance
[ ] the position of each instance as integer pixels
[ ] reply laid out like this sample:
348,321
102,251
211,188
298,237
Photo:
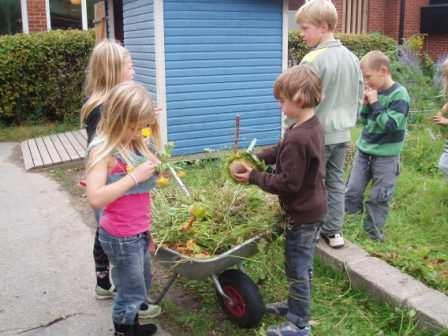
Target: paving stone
384,281
431,308
339,258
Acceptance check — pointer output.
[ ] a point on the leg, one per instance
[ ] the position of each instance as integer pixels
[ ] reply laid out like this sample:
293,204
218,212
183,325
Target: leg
127,259
103,285
443,161
334,180
358,180
384,171
299,253
148,311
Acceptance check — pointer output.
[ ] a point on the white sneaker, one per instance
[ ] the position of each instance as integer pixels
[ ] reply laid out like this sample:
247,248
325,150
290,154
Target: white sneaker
335,241
149,311
104,294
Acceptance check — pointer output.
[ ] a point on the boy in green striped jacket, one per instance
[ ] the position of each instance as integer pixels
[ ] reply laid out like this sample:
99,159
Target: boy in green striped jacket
384,117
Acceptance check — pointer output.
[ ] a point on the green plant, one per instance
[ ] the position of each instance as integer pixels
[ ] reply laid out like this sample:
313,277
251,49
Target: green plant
42,75
359,44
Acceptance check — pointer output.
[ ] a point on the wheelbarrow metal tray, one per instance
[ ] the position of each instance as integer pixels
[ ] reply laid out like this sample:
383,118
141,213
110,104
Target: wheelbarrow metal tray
199,269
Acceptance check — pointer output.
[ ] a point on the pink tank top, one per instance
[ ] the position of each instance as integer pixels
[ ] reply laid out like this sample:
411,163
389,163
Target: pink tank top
128,215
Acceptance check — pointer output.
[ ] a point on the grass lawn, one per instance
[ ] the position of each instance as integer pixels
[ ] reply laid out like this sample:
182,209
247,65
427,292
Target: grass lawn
417,228
337,308
24,132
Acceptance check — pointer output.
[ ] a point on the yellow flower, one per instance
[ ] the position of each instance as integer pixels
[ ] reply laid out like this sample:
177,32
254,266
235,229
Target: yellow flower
146,132
162,182
181,173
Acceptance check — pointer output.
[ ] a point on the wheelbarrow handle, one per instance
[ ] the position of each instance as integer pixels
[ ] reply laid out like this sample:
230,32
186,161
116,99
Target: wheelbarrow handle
179,181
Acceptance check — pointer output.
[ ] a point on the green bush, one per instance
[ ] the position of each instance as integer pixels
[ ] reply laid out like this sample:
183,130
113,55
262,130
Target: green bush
42,75
359,44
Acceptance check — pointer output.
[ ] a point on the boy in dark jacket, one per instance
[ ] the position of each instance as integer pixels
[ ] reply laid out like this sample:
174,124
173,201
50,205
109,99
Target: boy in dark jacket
298,180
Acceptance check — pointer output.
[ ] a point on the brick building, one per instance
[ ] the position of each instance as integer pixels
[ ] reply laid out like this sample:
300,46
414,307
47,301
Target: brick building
25,16
396,18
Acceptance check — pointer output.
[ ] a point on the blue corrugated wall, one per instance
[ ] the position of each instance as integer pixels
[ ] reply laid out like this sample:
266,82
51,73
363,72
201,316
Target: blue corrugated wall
138,22
222,57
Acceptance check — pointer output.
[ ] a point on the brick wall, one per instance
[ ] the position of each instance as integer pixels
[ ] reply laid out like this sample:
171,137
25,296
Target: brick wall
37,19
392,18
412,19
437,45
338,5
375,21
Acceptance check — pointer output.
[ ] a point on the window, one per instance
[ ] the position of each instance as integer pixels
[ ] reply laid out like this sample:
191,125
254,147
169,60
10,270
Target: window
11,17
68,14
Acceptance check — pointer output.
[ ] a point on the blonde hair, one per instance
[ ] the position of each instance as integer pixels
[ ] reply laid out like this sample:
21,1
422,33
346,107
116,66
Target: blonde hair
445,77
128,106
317,12
375,59
105,70
299,84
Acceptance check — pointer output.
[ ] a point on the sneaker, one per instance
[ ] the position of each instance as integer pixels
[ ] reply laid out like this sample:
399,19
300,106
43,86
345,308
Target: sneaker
335,241
104,294
288,329
277,308
148,311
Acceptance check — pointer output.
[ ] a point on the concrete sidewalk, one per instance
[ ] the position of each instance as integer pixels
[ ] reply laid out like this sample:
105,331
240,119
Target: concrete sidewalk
46,266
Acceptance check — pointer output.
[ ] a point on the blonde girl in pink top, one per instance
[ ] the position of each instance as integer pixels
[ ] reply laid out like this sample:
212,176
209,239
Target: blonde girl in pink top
120,174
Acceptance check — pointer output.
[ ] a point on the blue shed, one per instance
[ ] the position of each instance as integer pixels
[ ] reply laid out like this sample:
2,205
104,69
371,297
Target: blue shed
207,61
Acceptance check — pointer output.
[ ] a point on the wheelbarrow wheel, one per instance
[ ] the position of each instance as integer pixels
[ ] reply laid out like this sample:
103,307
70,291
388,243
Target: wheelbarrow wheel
246,308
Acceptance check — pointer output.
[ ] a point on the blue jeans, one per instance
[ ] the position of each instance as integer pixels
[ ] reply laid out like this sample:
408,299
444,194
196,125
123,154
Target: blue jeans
383,172
334,181
300,243
131,273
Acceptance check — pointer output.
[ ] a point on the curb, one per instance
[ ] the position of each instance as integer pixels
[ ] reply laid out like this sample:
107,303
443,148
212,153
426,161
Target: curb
387,283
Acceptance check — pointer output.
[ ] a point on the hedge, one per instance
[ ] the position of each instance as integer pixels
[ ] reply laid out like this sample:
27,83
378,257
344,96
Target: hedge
359,44
42,75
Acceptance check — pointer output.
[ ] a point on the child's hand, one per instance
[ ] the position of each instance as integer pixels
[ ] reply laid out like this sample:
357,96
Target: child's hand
152,246
243,174
371,95
439,119
144,171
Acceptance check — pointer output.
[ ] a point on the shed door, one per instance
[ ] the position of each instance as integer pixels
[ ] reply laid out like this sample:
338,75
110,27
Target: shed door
221,60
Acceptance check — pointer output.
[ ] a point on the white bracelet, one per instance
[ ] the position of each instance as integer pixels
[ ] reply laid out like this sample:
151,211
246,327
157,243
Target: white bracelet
133,178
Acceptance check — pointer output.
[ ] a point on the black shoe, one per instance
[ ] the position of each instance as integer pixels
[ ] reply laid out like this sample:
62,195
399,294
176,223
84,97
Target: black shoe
145,329
135,330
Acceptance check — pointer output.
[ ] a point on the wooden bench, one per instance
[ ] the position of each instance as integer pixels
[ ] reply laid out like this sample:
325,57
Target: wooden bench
55,149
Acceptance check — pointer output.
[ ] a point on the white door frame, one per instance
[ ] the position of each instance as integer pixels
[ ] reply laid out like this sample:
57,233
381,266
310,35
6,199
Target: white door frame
24,13
159,38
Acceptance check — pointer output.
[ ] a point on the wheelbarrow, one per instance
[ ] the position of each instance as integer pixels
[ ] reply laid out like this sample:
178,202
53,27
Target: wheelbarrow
237,294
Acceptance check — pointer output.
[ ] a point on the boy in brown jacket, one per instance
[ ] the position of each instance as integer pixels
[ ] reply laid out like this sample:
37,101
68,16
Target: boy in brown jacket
298,180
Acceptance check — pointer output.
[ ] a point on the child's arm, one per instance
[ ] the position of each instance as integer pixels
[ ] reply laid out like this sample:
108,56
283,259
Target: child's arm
268,155
293,158
390,117
100,194
440,118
